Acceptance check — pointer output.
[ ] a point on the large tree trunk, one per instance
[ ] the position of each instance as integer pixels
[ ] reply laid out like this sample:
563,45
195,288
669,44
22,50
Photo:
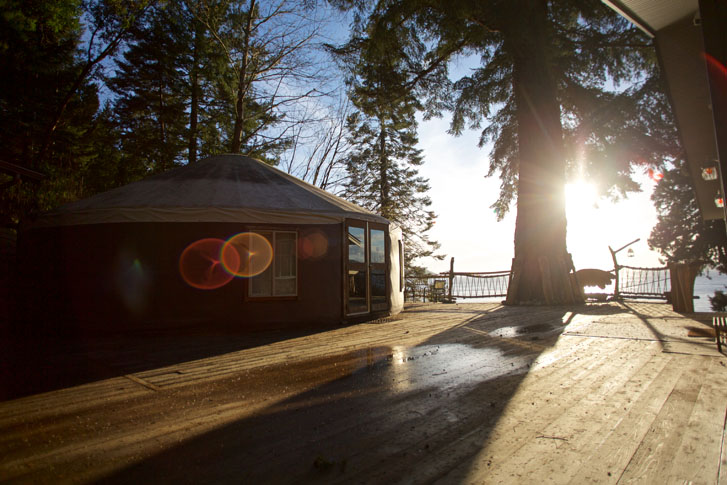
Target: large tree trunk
384,197
541,267
242,84
194,85
163,156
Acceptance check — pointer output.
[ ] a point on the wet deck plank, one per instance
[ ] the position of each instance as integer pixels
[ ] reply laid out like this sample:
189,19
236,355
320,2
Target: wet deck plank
448,393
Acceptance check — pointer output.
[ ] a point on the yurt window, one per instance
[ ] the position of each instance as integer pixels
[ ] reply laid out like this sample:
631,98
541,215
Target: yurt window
367,280
281,276
378,269
357,269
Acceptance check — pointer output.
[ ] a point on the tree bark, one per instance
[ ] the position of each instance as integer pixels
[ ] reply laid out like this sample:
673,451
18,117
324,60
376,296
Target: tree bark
541,267
163,158
242,84
194,94
384,198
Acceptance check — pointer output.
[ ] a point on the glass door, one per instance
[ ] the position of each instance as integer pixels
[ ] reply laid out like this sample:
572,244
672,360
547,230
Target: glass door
377,269
366,268
357,294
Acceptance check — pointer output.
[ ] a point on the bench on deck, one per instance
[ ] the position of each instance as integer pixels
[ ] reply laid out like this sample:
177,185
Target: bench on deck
720,331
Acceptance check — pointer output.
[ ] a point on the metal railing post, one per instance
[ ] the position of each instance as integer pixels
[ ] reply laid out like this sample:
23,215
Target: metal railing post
451,278
615,274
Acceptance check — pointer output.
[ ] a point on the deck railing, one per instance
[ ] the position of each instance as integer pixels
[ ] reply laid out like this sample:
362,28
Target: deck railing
632,283
643,283
480,285
462,286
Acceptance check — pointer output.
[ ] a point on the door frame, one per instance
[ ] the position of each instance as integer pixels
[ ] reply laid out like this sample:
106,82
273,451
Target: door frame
379,266
366,265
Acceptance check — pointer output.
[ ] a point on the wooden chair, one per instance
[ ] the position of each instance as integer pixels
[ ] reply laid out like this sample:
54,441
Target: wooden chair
720,331
438,290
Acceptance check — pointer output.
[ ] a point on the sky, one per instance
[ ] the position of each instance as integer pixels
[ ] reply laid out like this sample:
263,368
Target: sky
467,227
468,230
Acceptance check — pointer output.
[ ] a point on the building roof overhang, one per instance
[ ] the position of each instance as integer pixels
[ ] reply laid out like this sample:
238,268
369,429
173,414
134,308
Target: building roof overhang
686,34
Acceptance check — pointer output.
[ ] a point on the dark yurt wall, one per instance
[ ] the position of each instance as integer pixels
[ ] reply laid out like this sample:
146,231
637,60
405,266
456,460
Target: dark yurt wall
228,242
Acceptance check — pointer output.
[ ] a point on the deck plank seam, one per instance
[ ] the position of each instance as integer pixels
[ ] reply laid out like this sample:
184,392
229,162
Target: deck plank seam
667,402
142,382
721,473
643,339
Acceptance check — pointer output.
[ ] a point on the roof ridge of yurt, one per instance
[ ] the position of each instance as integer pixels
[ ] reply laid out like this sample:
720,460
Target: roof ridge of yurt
315,189
219,188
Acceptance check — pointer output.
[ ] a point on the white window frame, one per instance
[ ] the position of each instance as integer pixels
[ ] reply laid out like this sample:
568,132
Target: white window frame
274,267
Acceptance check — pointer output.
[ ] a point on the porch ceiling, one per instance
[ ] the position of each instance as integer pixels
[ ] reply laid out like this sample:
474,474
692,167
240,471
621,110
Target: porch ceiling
680,33
653,15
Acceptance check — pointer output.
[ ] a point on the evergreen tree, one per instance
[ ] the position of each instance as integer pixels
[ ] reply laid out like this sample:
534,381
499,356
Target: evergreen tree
718,302
382,164
383,177
198,46
680,233
205,70
106,168
107,25
51,55
39,59
544,78
151,93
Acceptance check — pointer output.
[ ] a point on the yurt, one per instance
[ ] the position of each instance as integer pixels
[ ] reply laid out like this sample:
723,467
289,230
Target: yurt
228,241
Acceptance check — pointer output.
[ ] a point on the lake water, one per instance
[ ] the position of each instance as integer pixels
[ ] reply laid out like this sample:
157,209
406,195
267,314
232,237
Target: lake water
705,286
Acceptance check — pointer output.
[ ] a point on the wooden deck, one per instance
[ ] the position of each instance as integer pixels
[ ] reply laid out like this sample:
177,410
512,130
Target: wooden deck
466,393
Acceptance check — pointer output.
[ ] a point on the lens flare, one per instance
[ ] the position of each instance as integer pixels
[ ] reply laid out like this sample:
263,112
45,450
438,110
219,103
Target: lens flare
253,252
654,175
313,245
200,264
715,68
132,282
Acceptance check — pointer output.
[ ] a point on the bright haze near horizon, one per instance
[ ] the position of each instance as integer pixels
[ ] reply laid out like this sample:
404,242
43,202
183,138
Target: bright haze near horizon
468,230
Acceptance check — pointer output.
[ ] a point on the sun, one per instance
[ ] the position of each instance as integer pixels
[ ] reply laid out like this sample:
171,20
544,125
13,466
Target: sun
595,223
586,239
580,199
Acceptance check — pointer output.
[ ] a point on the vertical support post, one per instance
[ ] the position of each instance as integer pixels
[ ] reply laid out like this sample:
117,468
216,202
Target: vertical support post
616,295
451,278
682,285
616,267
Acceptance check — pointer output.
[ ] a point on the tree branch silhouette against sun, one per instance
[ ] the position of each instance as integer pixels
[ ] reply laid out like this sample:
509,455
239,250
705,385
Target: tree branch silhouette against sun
564,88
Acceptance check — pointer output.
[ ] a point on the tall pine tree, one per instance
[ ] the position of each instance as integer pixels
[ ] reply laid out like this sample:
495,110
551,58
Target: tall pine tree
384,179
546,70
382,165
51,56
151,93
39,60
680,233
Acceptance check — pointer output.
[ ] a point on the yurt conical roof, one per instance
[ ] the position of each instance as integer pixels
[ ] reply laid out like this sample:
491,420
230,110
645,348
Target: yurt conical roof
222,188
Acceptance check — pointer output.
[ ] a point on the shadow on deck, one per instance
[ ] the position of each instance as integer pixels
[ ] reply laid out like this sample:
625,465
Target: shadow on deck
35,362
450,393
